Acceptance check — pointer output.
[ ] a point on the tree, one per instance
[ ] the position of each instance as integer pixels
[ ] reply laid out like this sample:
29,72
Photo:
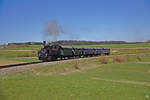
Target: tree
148,41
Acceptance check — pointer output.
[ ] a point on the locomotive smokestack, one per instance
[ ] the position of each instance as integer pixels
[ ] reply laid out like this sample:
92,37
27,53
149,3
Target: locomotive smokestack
44,43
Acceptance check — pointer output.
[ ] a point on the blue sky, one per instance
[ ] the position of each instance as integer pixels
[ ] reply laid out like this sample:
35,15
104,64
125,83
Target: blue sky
96,20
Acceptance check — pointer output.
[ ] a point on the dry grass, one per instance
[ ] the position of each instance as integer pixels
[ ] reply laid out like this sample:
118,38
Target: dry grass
138,58
6,62
66,68
103,59
106,60
118,60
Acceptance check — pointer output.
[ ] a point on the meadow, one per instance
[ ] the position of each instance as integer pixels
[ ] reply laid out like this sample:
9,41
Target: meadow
115,78
113,46
18,54
28,53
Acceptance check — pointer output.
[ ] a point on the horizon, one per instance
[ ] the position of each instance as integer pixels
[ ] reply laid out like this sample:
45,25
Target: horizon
89,20
74,40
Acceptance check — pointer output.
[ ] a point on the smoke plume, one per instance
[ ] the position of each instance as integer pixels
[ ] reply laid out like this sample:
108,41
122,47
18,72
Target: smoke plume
52,30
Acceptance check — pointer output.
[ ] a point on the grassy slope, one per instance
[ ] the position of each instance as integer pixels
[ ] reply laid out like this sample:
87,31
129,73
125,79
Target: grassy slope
66,82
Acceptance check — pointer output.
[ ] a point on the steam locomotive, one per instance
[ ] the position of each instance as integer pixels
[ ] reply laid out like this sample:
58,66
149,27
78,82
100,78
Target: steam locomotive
55,51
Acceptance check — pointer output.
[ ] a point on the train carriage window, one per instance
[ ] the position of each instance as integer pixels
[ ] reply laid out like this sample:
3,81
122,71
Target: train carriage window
54,47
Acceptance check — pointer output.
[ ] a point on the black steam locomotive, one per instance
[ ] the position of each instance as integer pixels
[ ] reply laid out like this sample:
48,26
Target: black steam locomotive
55,51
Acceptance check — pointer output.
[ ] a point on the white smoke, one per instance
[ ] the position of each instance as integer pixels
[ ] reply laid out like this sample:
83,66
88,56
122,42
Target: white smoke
52,30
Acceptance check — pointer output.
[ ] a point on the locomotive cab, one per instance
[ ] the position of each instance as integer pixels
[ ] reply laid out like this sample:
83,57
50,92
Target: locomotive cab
55,50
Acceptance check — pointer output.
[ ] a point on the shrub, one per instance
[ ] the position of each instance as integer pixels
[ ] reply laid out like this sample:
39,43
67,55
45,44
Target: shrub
76,65
32,53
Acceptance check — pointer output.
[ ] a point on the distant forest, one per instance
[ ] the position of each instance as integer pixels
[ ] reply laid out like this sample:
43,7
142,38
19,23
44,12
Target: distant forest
75,42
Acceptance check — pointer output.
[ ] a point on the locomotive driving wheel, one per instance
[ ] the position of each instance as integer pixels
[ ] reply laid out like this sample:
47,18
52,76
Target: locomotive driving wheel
53,58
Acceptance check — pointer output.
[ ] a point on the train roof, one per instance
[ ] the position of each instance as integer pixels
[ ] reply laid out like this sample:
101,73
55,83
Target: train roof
70,47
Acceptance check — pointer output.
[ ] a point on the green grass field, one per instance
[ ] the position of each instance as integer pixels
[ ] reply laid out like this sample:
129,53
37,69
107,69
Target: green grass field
18,54
13,57
21,47
113,46
88,79
125,77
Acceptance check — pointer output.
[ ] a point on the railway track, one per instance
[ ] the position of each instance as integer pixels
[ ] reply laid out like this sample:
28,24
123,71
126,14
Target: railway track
21,64
29,63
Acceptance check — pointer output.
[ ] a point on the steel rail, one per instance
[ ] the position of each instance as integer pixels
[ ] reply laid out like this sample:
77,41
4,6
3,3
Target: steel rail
20,64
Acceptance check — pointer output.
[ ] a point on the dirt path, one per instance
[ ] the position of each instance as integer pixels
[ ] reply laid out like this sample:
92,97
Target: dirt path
144,62
124,81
